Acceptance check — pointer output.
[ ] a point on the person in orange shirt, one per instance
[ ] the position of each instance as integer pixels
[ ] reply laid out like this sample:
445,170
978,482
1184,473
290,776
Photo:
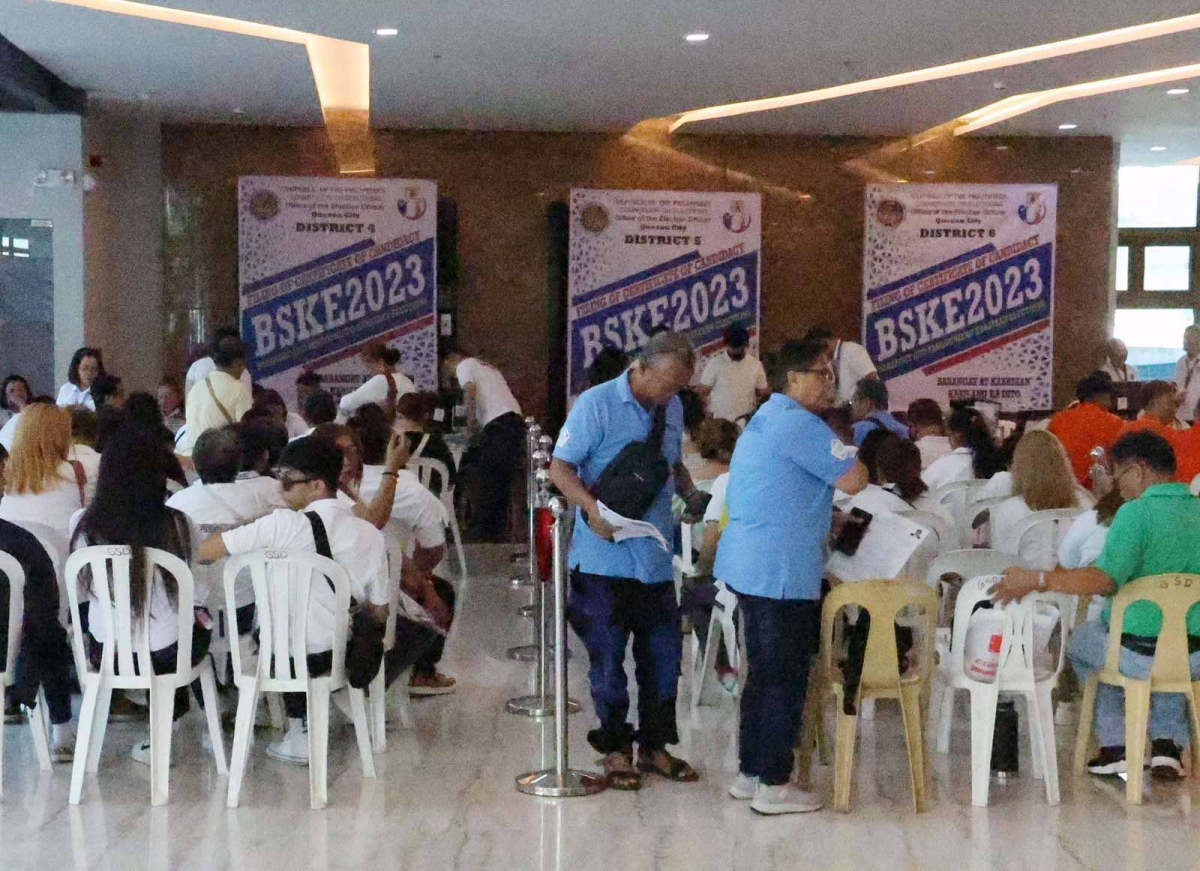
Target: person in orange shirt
1088,424
1160,409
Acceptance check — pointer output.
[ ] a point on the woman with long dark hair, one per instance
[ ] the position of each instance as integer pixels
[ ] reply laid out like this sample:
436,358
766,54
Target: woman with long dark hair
974,453
129,509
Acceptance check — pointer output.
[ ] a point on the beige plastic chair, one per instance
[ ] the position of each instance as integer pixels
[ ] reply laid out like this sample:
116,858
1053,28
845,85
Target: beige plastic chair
881,677
1171,673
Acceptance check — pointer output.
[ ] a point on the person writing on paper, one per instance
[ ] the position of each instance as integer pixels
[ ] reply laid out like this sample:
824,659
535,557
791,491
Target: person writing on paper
386,379
219,398
772,554
1153,533
618,588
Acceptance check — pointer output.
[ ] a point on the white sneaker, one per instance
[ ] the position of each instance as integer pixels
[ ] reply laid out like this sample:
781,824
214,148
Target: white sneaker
743,787
141,750
785,799
294,746
62,743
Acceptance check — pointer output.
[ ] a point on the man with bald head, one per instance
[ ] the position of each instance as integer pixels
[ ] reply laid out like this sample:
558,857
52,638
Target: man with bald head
627,587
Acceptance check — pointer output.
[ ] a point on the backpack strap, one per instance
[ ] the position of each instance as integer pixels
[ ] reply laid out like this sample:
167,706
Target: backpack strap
658,427
80,481
321,537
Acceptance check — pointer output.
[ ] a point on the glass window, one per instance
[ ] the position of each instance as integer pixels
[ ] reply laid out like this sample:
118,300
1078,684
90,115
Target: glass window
1168,267
1154,337
1157,196
1123,268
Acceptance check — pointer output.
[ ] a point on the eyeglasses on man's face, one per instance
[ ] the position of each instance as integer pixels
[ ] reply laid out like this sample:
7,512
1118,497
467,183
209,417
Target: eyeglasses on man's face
287,482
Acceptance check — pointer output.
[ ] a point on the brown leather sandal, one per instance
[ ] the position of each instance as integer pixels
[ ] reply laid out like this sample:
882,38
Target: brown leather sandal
618,768
663,764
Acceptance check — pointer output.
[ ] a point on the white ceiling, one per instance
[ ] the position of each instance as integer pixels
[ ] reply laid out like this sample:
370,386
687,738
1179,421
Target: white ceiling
575,65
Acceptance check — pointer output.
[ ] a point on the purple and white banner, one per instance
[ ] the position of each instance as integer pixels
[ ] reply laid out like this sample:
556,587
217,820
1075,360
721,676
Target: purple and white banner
641,260
328,265
958,291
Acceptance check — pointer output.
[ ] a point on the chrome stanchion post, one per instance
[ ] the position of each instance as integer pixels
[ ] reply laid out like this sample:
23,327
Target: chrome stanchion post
541,479
561,781
532,433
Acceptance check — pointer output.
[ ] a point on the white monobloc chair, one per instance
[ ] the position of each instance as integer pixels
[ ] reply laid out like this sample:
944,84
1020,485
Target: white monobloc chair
935,523
282,583
378,689
969,563
970,515
721,630
39,723
111,582
1017,673
425,469
1042,533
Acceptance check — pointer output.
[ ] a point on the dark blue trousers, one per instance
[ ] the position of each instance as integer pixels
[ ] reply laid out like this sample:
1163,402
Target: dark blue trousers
604,612
781,637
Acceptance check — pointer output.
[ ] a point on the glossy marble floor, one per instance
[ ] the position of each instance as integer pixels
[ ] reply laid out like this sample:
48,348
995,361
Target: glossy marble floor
445,798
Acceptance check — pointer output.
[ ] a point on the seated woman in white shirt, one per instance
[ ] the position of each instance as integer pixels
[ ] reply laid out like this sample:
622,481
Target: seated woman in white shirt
86,365
900,487
129,509
1041,480
1084,541
973,452
15,394
40,485
382,361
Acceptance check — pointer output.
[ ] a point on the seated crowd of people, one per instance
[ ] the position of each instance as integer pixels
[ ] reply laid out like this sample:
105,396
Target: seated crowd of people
221,469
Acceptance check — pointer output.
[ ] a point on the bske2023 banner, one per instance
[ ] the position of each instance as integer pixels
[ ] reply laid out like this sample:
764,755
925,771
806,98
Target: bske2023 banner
330,265
640,260
959,291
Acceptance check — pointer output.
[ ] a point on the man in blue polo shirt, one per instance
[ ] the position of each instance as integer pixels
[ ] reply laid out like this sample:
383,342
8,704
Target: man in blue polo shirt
869,406
623,588
772,554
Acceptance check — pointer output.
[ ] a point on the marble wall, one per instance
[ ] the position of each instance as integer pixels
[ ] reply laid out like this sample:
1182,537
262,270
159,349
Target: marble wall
503,183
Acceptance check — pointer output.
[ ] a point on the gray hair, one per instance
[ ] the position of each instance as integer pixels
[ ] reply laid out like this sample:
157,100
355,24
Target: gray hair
667,344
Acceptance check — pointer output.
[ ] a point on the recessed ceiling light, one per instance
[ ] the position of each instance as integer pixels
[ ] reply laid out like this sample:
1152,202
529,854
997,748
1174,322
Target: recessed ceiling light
386,31
1076,171
1067,126
1158,148
1002,148
238,111
1176,92
697,37
930,172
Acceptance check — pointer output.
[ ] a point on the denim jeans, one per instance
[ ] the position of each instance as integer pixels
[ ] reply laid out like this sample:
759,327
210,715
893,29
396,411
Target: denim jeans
604,612
1168,711
781,637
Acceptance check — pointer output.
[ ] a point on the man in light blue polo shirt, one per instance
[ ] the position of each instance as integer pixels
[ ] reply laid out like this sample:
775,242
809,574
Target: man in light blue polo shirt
870,410
623,588
772,554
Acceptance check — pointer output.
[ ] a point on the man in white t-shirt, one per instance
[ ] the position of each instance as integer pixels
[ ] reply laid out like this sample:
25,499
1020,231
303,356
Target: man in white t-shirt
219,398
850,360
927,422
202,367
493,412
309,471
1187,373
733,381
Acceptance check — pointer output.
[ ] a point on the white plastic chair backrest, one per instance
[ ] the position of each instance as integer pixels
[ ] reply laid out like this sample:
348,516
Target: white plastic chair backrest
1018,647
970,564
954,492
971,515
393,536
283,584
110,585
426,469
935,523
1044,531
1195,487
687,545
11,569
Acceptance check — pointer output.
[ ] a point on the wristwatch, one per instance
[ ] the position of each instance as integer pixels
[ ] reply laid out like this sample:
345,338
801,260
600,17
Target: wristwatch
1041,583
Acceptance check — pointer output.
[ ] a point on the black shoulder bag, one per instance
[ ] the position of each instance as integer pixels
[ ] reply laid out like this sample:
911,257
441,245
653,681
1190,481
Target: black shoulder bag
364,650
629,484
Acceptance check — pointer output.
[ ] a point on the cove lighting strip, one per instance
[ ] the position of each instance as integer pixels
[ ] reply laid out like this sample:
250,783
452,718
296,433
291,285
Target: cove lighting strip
1019,56
341,70
1022,103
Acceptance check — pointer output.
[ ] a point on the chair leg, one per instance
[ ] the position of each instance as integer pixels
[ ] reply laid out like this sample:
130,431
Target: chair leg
208,689
378,712
983,700
39,727
1194,712
1137,718
162,711
910,709
243,733
843,770
99,729
275,707
945,721
456,534
358,713
810,728
707,670
87,716
1083,735
318,743
1043,718
403,702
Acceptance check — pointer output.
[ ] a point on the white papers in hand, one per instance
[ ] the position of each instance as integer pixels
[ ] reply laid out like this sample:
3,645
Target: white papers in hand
626,528
886,548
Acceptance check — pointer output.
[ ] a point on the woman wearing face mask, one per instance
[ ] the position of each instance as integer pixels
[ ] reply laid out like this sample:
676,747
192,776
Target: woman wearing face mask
86,366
